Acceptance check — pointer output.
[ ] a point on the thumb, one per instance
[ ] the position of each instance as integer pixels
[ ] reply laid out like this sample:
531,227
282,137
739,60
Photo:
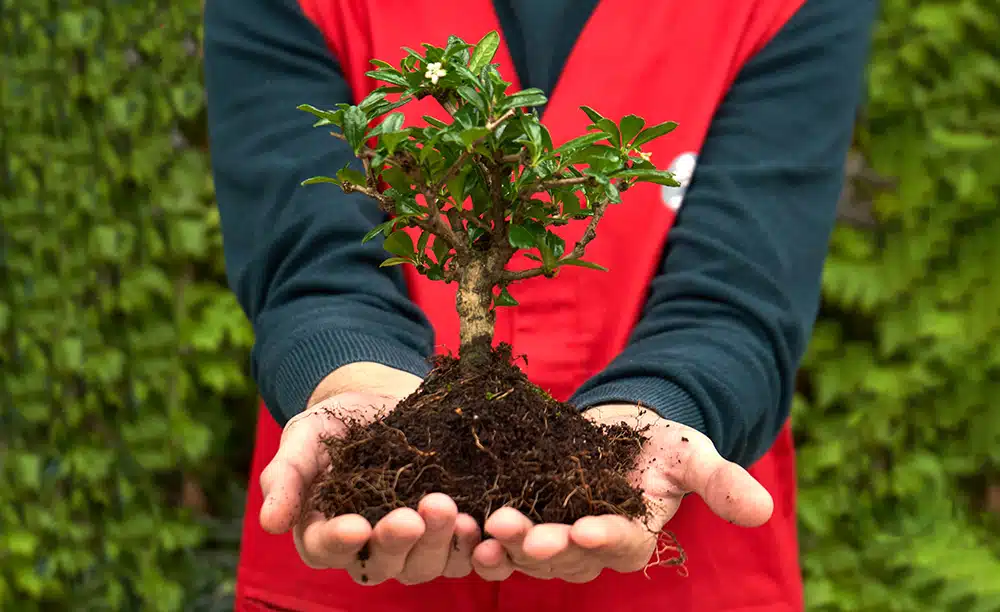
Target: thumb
728,489
286,480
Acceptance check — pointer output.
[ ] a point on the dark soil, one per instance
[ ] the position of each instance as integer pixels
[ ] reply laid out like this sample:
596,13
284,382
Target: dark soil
487,439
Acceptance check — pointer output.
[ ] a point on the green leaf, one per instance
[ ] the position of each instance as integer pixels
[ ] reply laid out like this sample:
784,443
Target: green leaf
611,129
320,179
457,48
392,140
422,242
394,261
592,114
521,237
474,97
435,122
399,243
456,186
555,244
570,203
535,136
598,156
471,135
407,206
610,191
441,249
350,175
526,97
371,100
659,177
355,125
580,142
416,55
392,123
378,229
435,273
397,179
331,117
631,125
583,264
653,132
504,298
486,48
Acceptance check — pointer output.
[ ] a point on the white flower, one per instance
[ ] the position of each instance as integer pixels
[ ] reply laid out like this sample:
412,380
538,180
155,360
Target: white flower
645,155
435,72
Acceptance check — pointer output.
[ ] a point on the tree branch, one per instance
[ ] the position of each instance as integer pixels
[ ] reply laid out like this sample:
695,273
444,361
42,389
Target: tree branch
578,249
460,162
563,182
434,223
385,203
514,157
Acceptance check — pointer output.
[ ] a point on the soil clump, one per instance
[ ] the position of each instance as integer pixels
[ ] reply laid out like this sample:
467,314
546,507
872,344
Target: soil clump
487,438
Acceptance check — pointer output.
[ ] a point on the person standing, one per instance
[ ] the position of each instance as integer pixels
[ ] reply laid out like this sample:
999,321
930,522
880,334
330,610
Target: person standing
703,317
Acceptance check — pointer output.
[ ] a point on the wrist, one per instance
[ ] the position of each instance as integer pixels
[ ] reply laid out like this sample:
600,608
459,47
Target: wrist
365,377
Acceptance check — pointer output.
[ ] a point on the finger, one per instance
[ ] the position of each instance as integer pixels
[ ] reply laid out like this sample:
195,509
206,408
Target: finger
391,541
428,557
285,480
544,542
552,554
509,527
331,543
491,561
728,489
620,544
466,537
600,533
588,573
736,496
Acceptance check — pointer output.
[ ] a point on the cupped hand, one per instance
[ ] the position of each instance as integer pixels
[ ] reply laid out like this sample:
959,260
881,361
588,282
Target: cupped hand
675,461
412,546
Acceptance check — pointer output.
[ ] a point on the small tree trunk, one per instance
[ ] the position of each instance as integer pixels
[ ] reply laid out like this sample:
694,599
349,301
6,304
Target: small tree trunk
476,317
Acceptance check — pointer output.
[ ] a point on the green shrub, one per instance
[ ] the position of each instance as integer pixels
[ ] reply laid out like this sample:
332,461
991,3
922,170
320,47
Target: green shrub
899,436
122,353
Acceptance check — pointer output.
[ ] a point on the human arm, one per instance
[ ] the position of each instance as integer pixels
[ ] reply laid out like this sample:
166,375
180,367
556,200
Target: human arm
729,314
335,333
314,293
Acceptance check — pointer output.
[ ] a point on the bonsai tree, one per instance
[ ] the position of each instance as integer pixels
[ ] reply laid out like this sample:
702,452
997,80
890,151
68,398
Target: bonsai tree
495,154
479,188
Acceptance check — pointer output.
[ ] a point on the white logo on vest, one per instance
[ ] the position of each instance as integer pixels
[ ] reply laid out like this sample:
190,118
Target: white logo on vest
683,169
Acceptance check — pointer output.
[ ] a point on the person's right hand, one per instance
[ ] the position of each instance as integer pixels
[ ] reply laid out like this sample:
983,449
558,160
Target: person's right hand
410,546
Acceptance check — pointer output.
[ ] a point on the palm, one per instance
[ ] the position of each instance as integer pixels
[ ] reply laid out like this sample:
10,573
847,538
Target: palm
676,460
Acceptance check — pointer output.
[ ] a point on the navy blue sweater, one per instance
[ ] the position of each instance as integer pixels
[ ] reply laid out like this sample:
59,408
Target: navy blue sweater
728,316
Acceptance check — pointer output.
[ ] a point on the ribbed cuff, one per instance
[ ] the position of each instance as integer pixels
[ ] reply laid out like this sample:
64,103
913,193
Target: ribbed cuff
659,395
311,359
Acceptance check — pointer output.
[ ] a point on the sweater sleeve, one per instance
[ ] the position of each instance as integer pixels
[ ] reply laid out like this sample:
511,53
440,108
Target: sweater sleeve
294,257
729,315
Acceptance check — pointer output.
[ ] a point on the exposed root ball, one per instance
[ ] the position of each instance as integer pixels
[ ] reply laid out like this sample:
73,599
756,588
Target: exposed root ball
487,440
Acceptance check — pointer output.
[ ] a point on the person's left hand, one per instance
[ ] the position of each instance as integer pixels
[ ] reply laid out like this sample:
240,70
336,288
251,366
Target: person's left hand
675,461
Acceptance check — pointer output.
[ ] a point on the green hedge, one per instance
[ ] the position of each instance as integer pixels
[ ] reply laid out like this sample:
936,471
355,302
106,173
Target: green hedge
123,355
899,433
125,396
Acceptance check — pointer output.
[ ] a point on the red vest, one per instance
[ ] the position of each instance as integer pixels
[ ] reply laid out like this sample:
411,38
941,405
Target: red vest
682,59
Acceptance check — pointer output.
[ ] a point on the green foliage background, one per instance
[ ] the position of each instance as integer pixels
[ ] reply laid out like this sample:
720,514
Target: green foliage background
122,353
